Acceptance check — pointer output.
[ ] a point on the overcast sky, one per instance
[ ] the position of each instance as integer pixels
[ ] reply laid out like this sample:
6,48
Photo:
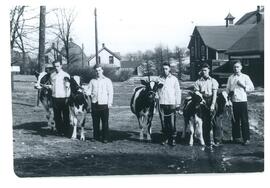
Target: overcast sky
132,25
127,26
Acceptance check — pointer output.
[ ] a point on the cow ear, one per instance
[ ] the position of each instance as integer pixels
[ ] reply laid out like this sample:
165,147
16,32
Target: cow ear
36,74
66,79
160,85
143,82
191,93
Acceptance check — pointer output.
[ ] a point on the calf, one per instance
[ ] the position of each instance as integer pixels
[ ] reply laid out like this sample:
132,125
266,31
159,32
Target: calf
79,102
194,105
143,103
45,95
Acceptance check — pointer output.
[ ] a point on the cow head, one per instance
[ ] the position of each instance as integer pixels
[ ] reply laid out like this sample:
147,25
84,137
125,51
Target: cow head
43,78
197,98
151,88
74,83
223,99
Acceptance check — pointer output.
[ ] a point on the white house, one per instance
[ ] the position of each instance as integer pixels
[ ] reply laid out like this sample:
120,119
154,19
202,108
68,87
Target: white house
106,57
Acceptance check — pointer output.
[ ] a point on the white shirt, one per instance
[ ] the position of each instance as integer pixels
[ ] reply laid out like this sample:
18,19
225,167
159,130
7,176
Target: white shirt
101,90
206,86
60,89
240,94
170,93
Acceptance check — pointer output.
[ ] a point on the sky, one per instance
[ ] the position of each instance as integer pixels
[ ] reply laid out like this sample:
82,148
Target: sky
133,25
129,26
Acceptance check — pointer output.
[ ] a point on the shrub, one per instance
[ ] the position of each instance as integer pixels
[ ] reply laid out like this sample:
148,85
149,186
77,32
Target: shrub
88,73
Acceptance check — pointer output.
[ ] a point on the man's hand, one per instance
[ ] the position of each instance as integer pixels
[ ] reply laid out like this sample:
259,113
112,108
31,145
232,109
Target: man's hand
212,107
48,86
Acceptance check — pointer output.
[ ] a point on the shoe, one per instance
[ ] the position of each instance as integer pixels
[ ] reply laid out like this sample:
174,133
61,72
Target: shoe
247,142
164,142
173,143
237,141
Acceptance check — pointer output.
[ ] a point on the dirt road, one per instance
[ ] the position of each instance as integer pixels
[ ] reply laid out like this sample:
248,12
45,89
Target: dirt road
38,152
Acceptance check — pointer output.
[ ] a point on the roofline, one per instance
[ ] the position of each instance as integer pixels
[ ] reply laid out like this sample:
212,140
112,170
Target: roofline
104,48
243,52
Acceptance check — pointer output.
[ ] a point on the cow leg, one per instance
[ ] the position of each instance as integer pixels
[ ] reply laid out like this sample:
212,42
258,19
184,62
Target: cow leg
51,123
74,123
140,120
149,128
191,129
199,127
82,127
183,136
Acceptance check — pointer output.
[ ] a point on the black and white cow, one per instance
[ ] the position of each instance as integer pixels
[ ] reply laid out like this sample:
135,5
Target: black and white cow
194,106
79,102
224,107
143,103
45,95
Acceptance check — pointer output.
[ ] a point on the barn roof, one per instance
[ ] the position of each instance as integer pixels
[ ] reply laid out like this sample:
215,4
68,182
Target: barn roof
222,37
252,41
247,17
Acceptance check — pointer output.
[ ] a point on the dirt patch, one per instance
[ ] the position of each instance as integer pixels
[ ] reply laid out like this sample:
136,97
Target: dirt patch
38,152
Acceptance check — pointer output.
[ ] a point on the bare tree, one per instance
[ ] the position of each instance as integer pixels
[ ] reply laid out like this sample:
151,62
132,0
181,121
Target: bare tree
179,54
65,19
15,23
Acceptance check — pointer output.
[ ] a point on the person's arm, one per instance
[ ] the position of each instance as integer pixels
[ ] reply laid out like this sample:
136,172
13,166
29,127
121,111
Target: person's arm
110,92
214,93
228,87
249,84
196,86
88,89
177,93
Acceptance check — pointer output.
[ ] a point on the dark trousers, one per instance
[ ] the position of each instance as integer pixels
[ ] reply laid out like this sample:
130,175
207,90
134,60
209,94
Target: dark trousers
100,112
240,111
61,115
168,118
210,123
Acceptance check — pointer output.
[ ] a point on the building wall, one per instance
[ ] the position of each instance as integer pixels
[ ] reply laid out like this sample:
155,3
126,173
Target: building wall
104,59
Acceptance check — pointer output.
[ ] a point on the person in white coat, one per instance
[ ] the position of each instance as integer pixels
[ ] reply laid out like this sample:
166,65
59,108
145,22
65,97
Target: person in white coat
237,87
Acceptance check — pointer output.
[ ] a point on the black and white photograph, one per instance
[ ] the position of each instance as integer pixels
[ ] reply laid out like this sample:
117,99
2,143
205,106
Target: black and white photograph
120,88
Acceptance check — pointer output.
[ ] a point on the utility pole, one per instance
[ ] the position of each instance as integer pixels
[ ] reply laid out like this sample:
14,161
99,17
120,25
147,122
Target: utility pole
41,49
96,36
82,56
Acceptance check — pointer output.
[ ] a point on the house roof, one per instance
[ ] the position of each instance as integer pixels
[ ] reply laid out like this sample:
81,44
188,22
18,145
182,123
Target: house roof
247,18
252,41
229,16
130,64
222,37
115,54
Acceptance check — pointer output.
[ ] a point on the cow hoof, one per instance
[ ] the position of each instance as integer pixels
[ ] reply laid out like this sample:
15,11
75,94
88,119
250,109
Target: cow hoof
190,144
73,138
82,139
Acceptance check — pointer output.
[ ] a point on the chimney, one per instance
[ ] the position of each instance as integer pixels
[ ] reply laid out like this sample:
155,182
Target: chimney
229,20
258,15
103,45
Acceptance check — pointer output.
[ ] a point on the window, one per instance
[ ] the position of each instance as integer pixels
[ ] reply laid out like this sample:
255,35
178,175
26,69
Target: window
98,59
202,50
111,59
192,51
